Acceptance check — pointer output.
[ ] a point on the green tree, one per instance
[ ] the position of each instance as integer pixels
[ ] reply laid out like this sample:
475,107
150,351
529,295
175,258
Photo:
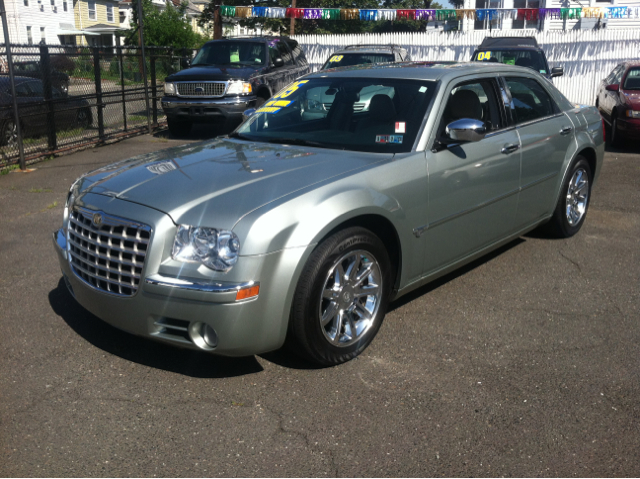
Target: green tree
168,27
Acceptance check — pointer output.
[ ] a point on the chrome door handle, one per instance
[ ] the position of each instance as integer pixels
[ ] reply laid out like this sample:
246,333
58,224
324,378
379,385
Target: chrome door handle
566,130
510,149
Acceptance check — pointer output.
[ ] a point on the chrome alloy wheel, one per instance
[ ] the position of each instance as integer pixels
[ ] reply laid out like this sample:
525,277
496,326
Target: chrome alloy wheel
351,298
577,196
10,133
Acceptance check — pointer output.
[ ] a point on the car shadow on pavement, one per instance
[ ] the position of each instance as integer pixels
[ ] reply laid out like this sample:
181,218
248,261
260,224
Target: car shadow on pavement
143,351
427,288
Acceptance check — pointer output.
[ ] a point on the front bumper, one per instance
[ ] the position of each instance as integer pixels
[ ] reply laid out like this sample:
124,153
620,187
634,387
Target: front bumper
207,110
168,305
629,127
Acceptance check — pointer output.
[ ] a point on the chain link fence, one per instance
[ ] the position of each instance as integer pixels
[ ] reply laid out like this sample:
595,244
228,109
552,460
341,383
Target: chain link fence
71,96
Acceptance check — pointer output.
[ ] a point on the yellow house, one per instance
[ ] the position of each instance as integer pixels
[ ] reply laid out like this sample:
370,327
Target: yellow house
98,20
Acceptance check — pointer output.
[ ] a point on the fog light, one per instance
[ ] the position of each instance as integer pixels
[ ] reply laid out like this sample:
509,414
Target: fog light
203,336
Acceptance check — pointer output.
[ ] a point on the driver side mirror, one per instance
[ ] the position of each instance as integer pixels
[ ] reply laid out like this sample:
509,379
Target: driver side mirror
612,87
278,62
466,129
557,72
185,62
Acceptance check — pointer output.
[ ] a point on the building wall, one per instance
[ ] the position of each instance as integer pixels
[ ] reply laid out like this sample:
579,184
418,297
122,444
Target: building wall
36,15
82,20
590,23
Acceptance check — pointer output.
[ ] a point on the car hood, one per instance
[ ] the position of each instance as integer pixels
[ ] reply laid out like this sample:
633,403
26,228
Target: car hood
216,183
217,73
633,99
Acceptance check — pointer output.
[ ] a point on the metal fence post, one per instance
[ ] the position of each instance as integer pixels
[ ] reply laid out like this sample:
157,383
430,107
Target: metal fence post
98,84
45,63
124,103
154,88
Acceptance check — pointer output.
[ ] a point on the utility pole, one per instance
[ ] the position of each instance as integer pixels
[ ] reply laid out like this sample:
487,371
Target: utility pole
5,28
292,29
217,23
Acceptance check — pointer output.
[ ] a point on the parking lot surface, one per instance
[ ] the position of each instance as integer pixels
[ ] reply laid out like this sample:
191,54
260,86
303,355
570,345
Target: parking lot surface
524,363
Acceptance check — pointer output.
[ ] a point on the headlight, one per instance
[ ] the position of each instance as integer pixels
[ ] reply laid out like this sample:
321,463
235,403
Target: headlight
633,113
169,88
216,249
237,87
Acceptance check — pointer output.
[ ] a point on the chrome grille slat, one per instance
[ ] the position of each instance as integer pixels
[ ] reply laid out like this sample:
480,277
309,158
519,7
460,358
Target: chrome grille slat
108,257
202,89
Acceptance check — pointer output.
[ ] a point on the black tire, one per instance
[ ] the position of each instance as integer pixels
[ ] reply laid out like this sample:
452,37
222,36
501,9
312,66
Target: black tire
614,133
307,337
560,225
179,128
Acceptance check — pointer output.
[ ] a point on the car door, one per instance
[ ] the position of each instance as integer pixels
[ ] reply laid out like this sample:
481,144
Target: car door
611,97
32,111
473,187
302,67
546,134
602,92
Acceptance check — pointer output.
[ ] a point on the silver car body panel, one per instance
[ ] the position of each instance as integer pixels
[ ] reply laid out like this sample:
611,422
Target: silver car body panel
445,209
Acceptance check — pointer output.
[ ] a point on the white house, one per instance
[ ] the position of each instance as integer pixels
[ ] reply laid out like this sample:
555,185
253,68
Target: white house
550,23
31,21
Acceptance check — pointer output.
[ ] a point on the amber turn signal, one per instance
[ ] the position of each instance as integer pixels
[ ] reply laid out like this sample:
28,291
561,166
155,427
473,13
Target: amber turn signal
246,293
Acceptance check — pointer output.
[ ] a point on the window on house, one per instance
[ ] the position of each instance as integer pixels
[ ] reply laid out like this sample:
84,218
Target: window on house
486,24
29,36
64,6
123,16
92,9
523,23
43,35
26,3
53,3
110,13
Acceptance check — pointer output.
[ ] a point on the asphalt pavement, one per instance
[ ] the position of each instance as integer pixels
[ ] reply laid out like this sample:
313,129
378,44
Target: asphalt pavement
524,363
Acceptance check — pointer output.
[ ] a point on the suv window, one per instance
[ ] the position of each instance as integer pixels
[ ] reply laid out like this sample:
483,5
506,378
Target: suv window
298,54
475,100
533,59
529,100
277,48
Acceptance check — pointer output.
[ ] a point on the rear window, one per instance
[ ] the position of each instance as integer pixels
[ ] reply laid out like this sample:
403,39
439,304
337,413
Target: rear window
525,58
350,59
632,82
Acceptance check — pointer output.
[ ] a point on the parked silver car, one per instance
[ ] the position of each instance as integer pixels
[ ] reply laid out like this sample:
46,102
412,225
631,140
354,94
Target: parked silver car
301,228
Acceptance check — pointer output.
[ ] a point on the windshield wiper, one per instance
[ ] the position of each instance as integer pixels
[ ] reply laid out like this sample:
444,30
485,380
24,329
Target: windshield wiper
297,141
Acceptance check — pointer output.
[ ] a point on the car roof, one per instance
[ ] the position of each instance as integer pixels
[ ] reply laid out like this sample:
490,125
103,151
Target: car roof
369,48
419,70
509,42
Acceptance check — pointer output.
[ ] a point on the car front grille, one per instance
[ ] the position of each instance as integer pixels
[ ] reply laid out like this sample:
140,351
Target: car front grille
107,252
201,89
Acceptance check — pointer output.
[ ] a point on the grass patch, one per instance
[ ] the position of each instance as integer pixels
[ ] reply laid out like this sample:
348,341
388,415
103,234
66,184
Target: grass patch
7,169
137,118
52,205
40,190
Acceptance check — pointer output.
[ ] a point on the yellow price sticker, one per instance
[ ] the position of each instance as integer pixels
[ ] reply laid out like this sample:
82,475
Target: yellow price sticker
269,109
484,55
278,103
337,58
290,89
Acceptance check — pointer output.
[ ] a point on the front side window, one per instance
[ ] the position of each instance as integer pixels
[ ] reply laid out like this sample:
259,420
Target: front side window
233,53
529,100
110,13
35,89
283,52
632,82
612,75
618,76
473,100
91,5
525,58
350,59
373,115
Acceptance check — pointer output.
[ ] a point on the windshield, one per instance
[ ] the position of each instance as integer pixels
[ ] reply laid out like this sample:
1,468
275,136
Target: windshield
350,59
632,82
231,53
525,58
374,115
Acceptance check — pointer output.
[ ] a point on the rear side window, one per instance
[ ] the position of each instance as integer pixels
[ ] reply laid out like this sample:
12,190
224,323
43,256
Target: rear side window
632,82
529,101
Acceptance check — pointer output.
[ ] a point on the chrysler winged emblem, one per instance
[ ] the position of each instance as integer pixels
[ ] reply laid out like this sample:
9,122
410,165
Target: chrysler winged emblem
97,220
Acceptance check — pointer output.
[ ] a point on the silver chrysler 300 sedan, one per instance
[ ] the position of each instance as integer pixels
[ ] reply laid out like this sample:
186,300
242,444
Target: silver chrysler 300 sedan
304,223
